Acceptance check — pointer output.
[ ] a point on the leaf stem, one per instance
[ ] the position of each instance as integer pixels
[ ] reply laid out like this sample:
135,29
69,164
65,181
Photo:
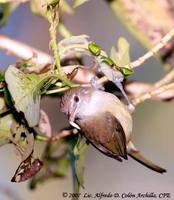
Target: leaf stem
63,89
52,31
53,18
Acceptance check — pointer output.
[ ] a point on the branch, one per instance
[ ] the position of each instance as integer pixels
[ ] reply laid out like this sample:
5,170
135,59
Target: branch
161,44
139,92
160,90
23,51
156,94
167,78
57,136
84,75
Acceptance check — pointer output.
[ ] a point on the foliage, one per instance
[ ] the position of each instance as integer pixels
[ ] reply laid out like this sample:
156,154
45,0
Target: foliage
22,86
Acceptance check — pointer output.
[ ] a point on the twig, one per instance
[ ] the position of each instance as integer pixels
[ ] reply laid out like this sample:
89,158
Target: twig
167,78
52,14
55,137
24,51
153,93
83,76
153,51
135,89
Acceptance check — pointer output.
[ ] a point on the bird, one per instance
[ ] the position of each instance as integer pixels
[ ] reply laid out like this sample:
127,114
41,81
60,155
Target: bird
105,122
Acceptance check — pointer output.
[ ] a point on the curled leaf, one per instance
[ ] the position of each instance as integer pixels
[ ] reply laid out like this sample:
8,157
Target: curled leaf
1,76
73,40
122,57
108,61
6,8
6,121
77,3
25,91
5,11
27,169
5,133
56,162
79,152
123,50
94,48
22,139
127,71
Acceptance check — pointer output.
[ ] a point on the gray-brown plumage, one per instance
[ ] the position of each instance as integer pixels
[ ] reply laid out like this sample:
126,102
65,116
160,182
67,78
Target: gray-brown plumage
105,122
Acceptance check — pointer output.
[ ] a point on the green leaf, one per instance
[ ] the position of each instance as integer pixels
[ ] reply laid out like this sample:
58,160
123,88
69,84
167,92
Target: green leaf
123,50
25,91
39,7
108,61
5,133
77,3
114,55
126,71
66,8
23,139
122,57
7,97
6,121
1,76
7,8
73,40
94,48
5,13
79,152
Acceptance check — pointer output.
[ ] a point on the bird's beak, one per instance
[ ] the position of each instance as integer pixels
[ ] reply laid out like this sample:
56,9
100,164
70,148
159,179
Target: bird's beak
71,117
74,125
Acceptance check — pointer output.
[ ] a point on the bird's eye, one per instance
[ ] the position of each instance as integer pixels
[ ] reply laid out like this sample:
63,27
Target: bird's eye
76,99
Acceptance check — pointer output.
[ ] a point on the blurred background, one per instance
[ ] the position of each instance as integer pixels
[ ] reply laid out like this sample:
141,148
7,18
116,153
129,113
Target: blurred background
153,121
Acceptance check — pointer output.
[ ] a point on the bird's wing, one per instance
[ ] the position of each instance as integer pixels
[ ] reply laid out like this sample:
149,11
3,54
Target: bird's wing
105,132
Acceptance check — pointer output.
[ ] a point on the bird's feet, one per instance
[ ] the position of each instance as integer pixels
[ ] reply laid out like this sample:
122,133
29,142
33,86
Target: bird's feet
95,84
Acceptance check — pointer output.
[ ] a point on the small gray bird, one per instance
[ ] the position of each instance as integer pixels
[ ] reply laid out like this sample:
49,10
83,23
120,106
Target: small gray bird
105,122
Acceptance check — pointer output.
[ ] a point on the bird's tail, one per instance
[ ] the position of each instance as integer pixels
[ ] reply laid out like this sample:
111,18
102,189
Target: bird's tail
135,154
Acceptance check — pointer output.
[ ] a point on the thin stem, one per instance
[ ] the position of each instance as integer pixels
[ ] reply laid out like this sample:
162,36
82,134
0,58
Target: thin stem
53,18
25,51
58,90
153,92
153,51
55,137
167,78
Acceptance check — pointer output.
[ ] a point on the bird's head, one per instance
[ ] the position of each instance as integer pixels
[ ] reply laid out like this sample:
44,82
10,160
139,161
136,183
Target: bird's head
74,102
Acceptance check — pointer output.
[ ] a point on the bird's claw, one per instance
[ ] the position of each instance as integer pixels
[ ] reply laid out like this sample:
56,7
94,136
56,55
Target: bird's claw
95,85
